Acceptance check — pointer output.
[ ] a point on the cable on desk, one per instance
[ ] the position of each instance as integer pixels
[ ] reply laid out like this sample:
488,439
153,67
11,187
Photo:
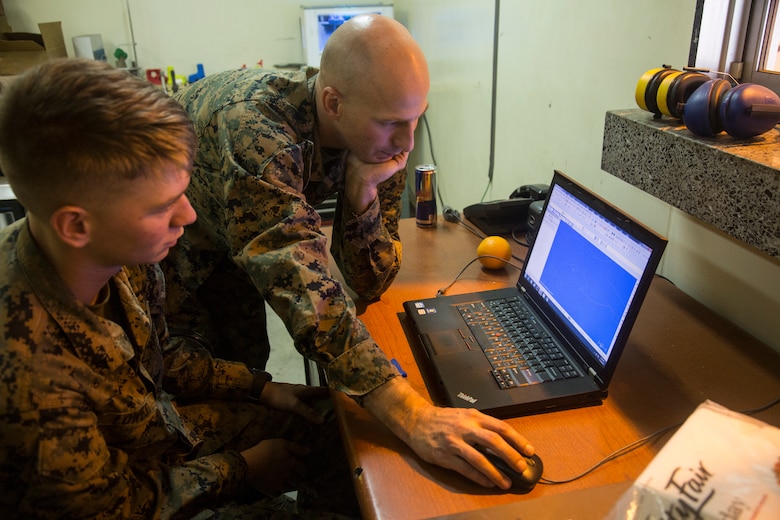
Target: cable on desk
665,278
641,442
518,239
761,408
452,215
444,289
614,455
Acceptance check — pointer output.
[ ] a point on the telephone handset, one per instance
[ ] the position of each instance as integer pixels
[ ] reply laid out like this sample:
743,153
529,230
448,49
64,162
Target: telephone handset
531,191
501,217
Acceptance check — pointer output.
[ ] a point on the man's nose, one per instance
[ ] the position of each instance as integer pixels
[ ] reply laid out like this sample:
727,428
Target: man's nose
185,213
404,137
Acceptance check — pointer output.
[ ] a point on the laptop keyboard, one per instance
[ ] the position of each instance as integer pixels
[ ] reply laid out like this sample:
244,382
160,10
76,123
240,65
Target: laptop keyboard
520,351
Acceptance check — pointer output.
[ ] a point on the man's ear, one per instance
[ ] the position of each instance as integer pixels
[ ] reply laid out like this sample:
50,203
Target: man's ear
331,102
71,223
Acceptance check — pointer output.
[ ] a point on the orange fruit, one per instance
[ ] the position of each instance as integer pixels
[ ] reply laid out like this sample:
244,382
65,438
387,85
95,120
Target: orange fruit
494,246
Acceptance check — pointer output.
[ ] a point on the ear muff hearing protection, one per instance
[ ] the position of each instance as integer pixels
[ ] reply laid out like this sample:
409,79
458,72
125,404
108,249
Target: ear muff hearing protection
708,106
748,110
664,91
700,113
675,89
647,88
744,111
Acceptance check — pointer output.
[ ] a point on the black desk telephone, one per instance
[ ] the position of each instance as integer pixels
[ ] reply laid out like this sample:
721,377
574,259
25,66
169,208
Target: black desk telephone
501,217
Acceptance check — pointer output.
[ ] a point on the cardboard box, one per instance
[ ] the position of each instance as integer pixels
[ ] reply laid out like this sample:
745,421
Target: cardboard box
20,51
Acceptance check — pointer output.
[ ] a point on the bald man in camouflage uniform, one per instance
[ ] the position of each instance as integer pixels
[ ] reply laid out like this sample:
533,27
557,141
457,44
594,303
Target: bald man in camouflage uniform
271,146
100,415
257,236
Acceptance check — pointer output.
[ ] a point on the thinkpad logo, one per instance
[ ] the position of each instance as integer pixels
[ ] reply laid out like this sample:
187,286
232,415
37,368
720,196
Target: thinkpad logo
467,397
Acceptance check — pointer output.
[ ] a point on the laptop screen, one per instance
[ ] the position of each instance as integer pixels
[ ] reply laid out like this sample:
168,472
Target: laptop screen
586,268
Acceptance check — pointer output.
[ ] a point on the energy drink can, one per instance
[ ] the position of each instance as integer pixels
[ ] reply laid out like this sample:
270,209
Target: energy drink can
425,188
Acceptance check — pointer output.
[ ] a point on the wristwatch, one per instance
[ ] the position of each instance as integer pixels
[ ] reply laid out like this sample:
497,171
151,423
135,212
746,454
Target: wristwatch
260,378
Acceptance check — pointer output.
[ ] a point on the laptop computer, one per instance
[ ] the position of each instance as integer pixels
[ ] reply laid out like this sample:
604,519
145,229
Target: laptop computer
582,284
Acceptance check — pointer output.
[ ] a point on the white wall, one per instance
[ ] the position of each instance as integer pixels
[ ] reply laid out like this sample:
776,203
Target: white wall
220,34
562,65
457,38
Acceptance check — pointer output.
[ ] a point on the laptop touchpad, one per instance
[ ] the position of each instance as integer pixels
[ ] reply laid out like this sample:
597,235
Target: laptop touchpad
446,342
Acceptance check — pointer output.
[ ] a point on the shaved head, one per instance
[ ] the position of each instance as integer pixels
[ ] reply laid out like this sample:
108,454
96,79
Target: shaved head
371,89
369,51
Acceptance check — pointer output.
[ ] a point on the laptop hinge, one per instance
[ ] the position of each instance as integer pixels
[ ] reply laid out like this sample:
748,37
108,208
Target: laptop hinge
596,377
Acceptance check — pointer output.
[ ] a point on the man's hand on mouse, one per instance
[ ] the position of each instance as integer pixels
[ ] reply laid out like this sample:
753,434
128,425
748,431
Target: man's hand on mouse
452,433
447,436
362,178
510,457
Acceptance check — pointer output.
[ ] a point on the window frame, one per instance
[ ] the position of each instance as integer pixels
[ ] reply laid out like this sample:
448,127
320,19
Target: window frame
727,37
755,46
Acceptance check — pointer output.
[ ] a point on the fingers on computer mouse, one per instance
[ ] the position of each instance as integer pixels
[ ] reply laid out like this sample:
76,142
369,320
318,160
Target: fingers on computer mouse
521,482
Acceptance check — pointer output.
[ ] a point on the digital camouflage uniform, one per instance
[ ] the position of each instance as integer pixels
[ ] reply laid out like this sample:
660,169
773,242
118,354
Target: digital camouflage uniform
86,430
258,172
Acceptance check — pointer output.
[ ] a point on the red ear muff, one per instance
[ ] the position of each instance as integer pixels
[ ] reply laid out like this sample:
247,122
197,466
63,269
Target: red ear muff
679,90
748,110
700,113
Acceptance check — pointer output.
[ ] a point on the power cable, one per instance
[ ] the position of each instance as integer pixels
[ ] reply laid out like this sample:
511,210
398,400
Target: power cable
641,442
444,289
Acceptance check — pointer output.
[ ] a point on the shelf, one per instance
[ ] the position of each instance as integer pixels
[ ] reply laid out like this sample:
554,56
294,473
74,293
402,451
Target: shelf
731,184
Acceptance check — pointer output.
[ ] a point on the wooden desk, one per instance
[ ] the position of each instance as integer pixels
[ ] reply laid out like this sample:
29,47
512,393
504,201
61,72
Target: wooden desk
679,354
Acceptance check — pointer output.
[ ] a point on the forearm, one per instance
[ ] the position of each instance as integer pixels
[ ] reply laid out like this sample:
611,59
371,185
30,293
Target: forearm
398,406
366,252
448,436
367,248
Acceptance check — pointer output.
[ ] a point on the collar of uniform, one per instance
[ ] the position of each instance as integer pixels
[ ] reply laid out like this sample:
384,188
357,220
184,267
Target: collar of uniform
92,341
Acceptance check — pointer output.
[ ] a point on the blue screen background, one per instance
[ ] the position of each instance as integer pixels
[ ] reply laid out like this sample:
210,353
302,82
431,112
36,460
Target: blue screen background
593,289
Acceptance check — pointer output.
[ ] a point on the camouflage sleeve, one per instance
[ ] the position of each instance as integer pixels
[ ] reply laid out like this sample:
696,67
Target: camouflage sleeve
189,370
275,238
74,473
87,443
367,248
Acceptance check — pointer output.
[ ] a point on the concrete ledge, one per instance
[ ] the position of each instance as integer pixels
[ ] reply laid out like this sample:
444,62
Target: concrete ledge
731,184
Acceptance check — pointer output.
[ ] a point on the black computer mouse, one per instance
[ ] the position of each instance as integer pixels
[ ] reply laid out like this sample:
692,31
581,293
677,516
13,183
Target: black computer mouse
521,482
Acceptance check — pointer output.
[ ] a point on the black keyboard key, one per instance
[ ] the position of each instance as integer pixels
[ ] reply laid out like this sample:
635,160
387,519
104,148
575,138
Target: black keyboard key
520,352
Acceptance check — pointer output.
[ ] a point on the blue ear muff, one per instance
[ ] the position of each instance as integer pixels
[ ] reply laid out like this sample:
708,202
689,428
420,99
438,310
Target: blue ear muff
700,113
748,110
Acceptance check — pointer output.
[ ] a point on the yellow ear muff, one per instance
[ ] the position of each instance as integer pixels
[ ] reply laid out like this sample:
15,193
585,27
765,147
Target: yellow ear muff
662,93
641,87
647,88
